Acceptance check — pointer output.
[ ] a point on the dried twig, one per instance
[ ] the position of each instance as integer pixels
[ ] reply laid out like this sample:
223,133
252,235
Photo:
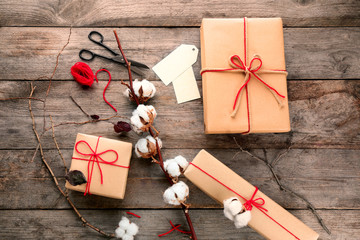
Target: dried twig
185,207
16,98
281,185
86,122
39,146
85,222
57,145
73,100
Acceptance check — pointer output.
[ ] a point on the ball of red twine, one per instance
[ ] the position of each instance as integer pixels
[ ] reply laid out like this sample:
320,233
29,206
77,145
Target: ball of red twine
82,73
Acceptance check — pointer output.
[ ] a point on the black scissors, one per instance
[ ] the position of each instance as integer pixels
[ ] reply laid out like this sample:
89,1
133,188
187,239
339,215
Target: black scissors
88,55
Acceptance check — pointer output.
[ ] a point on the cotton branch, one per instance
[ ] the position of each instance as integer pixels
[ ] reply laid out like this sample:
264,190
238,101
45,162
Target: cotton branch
185,207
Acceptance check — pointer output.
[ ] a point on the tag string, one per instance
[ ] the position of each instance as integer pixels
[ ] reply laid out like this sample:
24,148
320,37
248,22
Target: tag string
95,157
249,203
237,65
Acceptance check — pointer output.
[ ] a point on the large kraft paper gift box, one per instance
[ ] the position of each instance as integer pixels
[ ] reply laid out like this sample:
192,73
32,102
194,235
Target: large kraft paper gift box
234,51
221,183
105,164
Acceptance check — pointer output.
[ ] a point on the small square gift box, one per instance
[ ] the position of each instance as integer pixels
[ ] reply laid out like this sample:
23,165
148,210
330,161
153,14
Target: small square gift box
104,163
243,76
267,217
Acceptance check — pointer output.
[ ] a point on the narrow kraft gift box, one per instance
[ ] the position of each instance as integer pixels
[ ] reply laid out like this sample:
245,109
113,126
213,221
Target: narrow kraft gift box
105,164
221,183
243,76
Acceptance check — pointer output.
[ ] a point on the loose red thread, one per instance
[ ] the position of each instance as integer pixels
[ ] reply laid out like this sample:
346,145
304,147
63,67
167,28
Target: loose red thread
258,203
105,70
174,228
82,73
131,213
247,70
95,158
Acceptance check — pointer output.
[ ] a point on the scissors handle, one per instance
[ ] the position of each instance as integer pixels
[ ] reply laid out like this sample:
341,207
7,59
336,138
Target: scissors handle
88,55
100,42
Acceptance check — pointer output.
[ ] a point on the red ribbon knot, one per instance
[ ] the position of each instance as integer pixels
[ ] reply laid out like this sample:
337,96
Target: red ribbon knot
258,203
94,157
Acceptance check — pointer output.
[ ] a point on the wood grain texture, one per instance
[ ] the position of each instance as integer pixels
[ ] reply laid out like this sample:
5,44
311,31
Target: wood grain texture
305,171
324,114
175,13
29,53
34,224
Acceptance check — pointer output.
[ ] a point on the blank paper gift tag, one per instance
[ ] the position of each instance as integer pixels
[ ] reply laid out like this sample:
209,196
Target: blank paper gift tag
177,68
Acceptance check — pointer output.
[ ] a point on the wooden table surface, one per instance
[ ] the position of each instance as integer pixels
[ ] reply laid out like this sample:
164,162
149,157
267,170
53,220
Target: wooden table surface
322,40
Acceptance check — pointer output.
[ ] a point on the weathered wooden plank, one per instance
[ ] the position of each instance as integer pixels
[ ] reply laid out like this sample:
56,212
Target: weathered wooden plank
297,163
324,114
174,13
35,224
311,53
306,171
34,193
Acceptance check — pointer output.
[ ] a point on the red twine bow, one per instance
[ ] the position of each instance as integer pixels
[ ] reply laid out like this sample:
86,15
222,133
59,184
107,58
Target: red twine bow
249,71
257,203
95,157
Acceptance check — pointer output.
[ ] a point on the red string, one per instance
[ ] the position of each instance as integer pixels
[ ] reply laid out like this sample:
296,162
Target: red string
131,213
174,228
95,157
82,73
258,203
105,70
248,69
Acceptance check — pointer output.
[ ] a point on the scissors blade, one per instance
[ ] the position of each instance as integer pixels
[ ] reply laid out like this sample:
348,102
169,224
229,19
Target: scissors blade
120,59
138,64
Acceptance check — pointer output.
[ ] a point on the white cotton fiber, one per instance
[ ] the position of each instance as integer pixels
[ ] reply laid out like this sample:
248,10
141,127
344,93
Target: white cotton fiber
169,197
132,229
172,168
242,219
124,223
128,237
235,207
142,145
181,190
119,232
142,111
181,161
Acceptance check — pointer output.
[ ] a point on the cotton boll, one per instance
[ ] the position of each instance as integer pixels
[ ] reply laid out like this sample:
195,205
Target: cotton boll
119,232
128,237
181,190
152,110
235,207
132,229
124,223
229,206
228,214
172,168
146,147
242,219
144,90
142,111
141,147
169,197
181,161
142,118
148,89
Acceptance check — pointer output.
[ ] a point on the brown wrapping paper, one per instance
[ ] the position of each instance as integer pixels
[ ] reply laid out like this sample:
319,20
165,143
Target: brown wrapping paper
222,38
114,177
259,221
